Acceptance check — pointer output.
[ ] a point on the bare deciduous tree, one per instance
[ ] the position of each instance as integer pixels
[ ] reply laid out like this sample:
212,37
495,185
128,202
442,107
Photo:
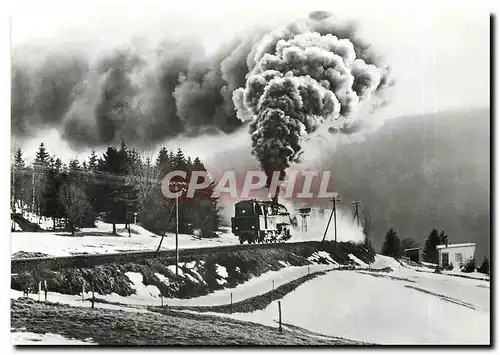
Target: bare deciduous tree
75,204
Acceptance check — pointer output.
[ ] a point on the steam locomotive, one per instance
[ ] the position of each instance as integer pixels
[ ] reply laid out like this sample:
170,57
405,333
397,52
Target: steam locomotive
261,221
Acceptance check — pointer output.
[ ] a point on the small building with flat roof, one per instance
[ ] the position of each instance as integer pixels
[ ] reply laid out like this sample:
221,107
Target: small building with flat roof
456,254
414,254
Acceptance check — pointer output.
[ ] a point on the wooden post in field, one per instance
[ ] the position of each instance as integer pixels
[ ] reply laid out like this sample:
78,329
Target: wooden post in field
308,269
93,296
177,235
45,289
273,285
39,290
231,302
280,329
83,291
161,297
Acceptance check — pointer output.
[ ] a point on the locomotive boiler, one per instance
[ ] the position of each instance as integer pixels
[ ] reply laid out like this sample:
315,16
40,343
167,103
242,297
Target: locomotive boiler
257,221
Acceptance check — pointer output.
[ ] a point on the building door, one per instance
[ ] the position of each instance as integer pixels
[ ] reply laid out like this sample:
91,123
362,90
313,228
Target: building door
445,260
458,259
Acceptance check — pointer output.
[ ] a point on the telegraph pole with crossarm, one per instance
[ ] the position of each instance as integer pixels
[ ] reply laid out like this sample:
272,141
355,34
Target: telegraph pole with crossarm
356,212
334,214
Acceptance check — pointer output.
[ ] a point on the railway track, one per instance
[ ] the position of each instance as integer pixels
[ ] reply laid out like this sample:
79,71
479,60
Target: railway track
92,260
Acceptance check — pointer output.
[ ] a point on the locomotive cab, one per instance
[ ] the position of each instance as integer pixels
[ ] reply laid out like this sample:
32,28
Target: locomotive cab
260,221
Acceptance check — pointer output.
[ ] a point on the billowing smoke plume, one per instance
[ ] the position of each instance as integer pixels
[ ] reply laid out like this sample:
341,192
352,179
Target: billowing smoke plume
286,83
43,94
311,73
140,96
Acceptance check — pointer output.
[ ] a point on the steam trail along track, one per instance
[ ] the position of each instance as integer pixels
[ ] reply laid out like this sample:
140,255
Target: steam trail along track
91,260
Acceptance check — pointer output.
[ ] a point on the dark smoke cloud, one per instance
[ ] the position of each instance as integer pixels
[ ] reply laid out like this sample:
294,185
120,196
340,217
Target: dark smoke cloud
286,82
309,73
42,95
141,96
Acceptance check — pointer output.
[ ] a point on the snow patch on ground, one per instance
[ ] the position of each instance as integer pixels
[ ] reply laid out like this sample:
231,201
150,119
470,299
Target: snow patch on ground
357,261
317,256
198,276
222,274
28,338
163,278
191,278
142,291
172,268
382,261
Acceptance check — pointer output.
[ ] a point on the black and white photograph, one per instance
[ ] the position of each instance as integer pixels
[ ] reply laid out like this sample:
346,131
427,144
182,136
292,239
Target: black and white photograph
206,174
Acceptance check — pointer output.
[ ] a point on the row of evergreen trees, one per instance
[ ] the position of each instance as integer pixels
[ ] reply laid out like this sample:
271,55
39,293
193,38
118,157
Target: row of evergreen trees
121,186
394,247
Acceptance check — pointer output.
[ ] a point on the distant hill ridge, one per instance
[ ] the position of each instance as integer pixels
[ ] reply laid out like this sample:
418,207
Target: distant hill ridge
422,172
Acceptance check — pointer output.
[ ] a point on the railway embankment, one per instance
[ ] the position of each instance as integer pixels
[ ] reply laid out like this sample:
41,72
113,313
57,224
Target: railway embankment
200,271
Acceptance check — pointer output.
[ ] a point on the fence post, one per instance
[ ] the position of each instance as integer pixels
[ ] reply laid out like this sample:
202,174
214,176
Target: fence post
308,269
83,291
280,329
93,297
231,302
45,289
273,285
39,291
161,297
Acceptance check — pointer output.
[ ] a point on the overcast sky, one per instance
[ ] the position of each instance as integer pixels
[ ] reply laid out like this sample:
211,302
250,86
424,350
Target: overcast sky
440,59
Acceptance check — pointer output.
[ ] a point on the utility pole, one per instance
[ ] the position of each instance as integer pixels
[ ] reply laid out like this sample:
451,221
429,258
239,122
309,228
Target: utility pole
179,187
33,190
334,214
356,213
328,225
177,235
335,219
163,236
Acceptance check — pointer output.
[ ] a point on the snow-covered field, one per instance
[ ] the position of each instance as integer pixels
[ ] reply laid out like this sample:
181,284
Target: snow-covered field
404,306
401,307
99,241
28,338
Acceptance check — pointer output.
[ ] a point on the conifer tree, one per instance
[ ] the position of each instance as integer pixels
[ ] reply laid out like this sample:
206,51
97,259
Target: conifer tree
485,267
20,181
50,203
93,161
430,250
40,166
391,247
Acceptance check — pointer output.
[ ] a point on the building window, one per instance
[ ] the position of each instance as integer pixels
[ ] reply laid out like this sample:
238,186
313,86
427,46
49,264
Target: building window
458,258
